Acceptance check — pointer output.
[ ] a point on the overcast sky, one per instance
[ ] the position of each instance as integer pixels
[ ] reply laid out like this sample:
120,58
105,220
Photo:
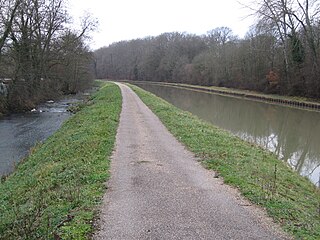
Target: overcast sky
131,19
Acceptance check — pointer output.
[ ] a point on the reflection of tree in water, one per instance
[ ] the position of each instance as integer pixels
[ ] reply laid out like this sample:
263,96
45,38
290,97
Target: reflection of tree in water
299,141
290,133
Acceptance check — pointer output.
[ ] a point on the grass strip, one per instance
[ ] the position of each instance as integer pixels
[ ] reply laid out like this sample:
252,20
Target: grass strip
291,200
55,191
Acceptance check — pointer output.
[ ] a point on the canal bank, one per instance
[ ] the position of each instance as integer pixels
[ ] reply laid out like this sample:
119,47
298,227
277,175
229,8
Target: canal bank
291,200
159,190
54,192
290,133
297,102
19,132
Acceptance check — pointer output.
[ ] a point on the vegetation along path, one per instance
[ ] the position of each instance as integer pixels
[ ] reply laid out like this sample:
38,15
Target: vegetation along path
158,189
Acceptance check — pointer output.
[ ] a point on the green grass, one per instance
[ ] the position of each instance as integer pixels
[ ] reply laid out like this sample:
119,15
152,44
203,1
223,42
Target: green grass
291,200
54,193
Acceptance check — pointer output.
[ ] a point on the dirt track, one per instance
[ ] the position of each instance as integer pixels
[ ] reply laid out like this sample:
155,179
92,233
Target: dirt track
158,190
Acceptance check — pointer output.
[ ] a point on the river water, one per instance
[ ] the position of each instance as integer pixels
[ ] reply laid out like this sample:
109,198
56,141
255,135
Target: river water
292,134
20,132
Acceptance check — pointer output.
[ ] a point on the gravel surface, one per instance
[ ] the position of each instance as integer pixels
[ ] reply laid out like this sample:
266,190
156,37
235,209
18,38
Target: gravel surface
158,189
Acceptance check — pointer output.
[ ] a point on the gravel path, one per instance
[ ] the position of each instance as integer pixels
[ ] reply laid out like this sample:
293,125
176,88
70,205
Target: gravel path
158,190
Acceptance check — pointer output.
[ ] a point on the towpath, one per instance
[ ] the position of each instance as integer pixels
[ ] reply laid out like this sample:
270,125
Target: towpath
158,189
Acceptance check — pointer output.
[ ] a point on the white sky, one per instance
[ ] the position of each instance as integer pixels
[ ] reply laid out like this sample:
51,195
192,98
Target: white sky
131,19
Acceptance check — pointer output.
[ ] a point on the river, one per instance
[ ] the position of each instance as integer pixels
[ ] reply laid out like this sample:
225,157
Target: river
20,132
292,134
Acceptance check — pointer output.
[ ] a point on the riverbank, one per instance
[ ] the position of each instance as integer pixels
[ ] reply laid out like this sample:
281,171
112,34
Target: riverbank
298,102
55,191
24,106
21,131
291,200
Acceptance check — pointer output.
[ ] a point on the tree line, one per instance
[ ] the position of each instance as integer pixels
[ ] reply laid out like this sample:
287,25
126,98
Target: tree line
279,54
41,56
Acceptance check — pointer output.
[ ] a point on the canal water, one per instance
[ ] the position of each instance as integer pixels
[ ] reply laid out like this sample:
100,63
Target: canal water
292,134
20,132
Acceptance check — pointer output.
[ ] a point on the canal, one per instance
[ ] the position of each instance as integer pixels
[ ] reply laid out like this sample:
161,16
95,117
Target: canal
292,134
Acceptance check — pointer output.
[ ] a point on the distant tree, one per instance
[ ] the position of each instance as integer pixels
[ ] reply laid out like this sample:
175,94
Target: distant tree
280,54
220,36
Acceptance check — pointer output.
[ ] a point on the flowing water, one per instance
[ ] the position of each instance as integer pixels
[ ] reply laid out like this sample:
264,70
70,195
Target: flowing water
20,132
292,134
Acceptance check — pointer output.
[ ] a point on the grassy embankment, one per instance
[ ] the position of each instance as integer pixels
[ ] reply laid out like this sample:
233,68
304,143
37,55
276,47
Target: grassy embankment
54,193
291,200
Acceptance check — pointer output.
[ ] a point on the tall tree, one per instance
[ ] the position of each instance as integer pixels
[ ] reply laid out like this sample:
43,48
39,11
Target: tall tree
30,32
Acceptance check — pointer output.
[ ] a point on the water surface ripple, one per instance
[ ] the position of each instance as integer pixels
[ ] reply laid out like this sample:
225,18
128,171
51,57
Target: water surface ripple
20,132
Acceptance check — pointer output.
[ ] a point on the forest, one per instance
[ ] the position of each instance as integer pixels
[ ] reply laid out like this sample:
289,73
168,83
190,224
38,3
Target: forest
280,54
41,55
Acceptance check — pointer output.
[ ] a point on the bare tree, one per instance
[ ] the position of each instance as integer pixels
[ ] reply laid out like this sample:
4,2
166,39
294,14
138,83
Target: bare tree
30,34
7,15
307,17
